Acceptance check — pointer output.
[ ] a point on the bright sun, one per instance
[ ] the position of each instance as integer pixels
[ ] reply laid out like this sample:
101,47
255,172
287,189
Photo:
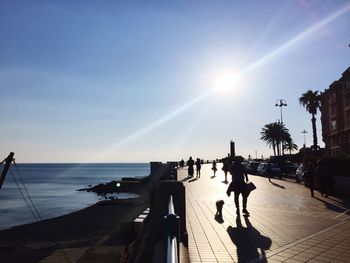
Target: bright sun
225,82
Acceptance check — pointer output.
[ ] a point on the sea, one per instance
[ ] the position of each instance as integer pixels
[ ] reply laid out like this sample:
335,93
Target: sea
52,189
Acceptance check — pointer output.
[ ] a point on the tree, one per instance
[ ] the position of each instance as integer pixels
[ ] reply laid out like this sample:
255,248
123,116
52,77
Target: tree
311,101
275,135
290,146
267,135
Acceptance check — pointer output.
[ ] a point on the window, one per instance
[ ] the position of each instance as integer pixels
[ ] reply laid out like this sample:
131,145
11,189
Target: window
334,141
334,125
347,119
347,100
332,96
333,108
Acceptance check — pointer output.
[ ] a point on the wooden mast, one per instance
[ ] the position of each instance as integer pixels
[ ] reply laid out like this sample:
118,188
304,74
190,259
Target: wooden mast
6,168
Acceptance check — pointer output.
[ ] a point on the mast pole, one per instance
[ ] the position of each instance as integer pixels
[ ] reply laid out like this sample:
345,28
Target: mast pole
8,162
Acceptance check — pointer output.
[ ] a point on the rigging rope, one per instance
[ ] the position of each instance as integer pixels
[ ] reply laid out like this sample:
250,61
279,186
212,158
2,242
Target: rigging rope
25,200
37,215
25,188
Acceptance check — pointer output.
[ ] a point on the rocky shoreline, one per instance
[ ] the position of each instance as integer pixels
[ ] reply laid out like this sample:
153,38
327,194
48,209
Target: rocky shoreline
126,185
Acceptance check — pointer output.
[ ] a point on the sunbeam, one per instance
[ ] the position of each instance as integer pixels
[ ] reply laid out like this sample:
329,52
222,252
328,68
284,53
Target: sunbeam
298,38
185,137
301,36
153,125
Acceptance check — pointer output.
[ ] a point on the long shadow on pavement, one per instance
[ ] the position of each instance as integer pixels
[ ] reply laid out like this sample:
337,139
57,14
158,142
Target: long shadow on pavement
248,241
278,185
185,179
193,179
334,207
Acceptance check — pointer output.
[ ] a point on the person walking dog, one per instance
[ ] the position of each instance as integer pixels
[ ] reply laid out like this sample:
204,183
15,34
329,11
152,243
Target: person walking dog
238,184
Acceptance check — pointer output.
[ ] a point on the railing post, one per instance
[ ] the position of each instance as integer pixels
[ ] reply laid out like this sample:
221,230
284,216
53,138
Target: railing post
172,230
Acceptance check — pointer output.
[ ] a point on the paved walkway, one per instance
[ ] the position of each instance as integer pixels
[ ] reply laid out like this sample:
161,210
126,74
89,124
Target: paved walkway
285,223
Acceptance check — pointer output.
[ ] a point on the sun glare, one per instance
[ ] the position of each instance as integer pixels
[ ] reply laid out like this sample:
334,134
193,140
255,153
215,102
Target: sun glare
225,82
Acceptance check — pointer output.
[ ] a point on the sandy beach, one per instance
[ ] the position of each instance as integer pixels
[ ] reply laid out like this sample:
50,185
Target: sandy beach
33,242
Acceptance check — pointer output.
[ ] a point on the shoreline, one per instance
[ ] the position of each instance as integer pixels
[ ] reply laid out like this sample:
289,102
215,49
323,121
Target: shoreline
82,228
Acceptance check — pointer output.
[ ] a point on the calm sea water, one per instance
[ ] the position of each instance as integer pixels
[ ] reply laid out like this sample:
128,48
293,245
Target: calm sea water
53,188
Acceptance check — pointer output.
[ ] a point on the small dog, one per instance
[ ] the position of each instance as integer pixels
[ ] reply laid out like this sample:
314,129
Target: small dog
219,205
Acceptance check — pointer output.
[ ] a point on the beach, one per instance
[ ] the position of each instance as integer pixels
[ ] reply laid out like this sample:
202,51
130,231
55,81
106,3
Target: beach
33,242
81,229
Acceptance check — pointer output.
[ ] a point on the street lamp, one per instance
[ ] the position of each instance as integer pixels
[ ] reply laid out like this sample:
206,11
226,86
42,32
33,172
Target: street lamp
281,103
304,131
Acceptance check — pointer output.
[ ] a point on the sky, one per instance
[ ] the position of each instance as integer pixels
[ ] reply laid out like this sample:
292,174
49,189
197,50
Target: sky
140,81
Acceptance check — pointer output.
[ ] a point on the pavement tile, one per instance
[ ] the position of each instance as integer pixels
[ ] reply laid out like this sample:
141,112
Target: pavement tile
303,257
273,261
291,260
280,258
322,259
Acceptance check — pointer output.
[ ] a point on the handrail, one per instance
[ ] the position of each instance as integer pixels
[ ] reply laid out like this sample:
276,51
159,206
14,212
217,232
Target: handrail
171,209
172,231
172,252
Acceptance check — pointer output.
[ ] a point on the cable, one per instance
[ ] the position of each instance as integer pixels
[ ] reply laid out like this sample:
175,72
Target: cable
25,200
25,188
64,254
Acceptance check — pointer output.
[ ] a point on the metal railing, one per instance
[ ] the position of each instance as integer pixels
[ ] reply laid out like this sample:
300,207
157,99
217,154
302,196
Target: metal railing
172,229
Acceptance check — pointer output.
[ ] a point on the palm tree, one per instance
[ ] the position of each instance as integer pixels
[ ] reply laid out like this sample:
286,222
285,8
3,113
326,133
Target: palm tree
311,101
267,135
275,135
290,146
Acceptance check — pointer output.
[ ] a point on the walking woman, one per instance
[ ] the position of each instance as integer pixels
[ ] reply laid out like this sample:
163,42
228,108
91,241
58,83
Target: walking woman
214,168
238,185
225,167
190,164
198,168
324,175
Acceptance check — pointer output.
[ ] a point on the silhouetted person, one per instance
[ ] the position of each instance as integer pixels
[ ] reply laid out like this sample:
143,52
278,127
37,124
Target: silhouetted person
324,176
225,167
214,167
198,167
182,163
310,177
269,171
190,164
239,186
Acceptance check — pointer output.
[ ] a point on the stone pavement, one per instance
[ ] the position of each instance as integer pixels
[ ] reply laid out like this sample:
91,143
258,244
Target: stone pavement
285,223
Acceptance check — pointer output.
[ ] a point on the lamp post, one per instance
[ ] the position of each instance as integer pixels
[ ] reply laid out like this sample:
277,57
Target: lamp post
304,131
281,103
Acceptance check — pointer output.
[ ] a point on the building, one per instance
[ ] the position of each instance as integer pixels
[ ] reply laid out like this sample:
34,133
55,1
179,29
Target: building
335,116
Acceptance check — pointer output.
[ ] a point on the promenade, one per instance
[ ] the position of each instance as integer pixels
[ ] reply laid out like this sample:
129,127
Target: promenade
285,223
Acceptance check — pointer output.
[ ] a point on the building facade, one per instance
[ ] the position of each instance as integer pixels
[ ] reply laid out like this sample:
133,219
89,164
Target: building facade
335,116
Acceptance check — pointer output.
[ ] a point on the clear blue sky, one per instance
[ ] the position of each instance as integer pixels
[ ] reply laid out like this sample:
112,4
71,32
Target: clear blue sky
139,81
